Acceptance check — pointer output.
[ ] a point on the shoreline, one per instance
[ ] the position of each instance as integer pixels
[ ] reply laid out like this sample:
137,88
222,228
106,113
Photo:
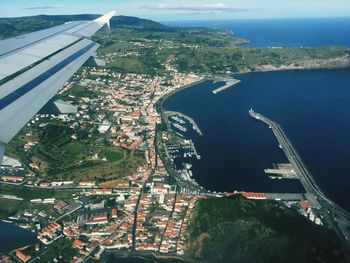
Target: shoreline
290,69
160,109
148,256
165,97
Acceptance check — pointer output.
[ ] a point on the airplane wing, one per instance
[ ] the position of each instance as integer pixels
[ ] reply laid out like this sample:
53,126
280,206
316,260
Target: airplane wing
33,67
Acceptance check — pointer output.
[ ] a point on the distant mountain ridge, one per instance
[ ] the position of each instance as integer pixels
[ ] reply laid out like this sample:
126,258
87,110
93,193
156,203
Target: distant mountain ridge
10,27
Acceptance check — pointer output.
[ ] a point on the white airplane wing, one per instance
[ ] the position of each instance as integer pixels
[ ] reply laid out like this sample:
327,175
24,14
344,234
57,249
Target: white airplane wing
33,67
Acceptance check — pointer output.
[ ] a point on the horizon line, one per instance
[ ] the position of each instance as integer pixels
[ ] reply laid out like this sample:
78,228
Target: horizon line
189,20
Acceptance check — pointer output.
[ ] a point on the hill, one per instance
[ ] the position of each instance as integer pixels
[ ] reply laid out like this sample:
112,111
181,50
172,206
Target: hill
10,27
241,230
197,50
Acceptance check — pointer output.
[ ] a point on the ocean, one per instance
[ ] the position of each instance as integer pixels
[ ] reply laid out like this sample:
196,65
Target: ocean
312,106
283,32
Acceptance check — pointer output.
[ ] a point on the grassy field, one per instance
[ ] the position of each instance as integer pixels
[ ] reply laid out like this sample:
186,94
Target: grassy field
113,154
9,207
62,249
33,193
56,145
121,164
114,183
241,230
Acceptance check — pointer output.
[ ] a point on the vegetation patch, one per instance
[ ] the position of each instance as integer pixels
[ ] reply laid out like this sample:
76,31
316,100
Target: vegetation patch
115,183
241,230
113,154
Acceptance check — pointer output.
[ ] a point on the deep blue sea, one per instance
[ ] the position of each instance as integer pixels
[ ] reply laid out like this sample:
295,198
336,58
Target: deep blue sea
313,107
283,32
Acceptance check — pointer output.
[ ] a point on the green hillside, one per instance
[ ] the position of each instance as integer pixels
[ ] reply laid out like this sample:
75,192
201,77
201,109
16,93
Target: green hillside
241,230
10,27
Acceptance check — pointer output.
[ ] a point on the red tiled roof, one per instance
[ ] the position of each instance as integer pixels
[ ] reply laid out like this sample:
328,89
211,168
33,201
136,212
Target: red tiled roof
253,195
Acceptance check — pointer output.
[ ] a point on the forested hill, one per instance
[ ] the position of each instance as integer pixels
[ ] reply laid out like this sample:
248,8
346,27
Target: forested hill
10,27
241,230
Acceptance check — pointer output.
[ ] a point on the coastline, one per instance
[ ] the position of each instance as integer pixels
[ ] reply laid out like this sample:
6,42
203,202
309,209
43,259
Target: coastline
161,111
147,256
165,97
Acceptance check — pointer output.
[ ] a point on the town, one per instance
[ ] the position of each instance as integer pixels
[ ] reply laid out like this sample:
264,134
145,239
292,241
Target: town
143,212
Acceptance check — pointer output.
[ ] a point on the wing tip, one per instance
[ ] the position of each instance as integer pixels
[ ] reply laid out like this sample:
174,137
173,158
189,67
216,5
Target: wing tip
105,18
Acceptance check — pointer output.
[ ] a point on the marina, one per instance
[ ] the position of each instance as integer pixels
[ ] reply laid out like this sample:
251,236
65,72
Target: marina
181,151
184,149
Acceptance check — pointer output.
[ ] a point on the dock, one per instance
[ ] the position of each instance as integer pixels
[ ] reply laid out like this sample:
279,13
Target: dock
282,171
228,84
195,151
181,128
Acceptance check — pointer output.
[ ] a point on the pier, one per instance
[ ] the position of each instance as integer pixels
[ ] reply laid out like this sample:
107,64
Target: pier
282,171
229,83
337,217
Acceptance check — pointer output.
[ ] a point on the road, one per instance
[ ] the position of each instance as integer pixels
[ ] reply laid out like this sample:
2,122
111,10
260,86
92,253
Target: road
334,215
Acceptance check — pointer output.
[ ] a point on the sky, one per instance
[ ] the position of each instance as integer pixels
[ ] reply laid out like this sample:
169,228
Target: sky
161,10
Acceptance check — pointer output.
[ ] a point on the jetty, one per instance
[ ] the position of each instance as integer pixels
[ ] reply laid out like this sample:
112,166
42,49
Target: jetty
228,84
333,214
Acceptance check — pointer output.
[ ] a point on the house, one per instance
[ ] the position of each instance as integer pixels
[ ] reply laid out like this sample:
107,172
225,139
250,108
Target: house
251,195
87,183
114,213
77,243
22,256
11,178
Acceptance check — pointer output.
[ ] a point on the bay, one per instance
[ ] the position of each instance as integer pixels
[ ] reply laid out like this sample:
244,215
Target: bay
313,107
